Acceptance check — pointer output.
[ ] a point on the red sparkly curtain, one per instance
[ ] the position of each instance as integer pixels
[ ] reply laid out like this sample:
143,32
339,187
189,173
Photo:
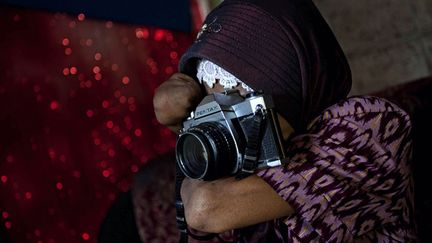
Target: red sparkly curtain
76,120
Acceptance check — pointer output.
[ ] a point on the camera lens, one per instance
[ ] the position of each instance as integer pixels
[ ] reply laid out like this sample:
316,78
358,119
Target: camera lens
195,153
206,151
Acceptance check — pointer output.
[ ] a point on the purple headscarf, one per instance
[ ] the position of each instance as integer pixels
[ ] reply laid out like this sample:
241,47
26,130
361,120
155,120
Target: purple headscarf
282,47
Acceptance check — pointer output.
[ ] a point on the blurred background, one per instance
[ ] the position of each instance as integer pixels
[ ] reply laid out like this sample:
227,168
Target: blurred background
76,87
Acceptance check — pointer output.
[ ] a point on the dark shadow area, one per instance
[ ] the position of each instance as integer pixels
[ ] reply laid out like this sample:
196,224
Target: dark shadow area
4,237
119,223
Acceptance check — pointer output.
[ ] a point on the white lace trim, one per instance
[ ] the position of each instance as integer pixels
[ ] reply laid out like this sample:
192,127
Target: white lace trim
210,73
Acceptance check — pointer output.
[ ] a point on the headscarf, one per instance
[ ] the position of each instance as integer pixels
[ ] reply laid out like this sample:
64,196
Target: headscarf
282,47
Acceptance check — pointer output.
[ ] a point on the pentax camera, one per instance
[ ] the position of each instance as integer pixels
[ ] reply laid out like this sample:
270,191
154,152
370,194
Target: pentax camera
230,135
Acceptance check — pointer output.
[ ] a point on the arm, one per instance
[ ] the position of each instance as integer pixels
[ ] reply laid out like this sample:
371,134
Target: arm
226,204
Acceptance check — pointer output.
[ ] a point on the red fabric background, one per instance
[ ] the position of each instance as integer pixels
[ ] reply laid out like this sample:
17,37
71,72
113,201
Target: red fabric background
76,119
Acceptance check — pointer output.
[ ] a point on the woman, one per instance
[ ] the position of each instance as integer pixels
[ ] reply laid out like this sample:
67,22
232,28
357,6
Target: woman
348,175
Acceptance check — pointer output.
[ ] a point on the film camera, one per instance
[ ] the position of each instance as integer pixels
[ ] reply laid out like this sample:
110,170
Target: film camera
228,135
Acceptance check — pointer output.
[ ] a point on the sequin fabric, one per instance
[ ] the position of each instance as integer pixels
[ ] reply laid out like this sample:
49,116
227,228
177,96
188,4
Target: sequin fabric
76,120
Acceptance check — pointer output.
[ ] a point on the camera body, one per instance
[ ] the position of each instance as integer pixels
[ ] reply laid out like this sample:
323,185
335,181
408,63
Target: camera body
214,139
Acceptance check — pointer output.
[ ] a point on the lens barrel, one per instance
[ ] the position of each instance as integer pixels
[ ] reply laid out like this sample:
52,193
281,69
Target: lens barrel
206,151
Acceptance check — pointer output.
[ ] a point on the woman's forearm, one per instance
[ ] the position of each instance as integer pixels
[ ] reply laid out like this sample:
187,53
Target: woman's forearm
226,204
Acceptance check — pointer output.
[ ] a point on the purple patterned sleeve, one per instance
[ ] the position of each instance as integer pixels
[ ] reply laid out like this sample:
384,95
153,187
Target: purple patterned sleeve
348,178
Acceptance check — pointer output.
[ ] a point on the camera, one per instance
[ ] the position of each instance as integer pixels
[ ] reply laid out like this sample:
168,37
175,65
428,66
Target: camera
228,134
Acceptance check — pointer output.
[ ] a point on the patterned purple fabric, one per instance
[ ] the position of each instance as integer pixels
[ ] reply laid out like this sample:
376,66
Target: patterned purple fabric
349,177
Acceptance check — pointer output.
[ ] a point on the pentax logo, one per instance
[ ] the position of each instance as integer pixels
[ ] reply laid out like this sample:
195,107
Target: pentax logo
207,110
